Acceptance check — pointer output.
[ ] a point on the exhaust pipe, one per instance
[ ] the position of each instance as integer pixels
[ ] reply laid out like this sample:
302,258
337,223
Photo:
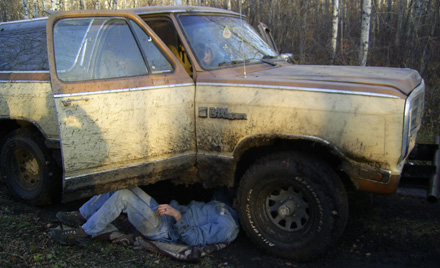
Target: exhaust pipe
433,191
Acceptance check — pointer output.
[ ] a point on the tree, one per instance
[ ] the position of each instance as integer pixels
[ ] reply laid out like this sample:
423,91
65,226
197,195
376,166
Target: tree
365,32
25,9
56,5
303,33
11,10
335,27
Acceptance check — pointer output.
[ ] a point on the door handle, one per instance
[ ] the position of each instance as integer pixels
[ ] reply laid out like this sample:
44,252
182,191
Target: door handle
68,102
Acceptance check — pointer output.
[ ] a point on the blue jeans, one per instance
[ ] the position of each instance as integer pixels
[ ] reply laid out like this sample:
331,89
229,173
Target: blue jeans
140,208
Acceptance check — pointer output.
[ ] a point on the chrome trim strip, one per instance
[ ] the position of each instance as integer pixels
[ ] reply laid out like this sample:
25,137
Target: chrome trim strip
335,91
25,72
25,81
228,157
130,166
22,21
119,90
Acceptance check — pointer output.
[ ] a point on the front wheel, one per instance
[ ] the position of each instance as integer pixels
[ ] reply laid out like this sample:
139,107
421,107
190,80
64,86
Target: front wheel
292,205
28,168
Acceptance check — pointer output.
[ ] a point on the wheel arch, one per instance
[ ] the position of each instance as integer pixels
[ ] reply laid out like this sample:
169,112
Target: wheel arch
7,125
51,145
33,174
257,146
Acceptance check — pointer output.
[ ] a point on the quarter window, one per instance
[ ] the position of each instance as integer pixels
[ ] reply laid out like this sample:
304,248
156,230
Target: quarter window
156,60
23,46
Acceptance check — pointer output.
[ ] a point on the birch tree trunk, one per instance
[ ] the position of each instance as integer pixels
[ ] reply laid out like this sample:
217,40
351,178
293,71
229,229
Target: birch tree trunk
35,10
365,32
335,28
25,9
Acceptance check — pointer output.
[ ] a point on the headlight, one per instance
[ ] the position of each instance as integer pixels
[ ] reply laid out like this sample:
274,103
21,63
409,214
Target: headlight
413,117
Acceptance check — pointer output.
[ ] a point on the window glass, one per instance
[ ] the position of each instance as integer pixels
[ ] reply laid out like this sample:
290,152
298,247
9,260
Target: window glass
167,33
156,60
219,41
69,36
23,46
96,48
119,54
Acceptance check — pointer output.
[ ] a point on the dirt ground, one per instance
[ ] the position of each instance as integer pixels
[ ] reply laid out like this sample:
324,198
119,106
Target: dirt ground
382,231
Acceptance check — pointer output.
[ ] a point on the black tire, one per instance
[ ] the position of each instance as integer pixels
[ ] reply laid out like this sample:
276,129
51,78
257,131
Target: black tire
292,205
28,169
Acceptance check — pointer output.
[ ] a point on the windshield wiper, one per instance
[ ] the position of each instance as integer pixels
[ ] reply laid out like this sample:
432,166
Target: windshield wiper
270,57
267,59
268,62
234,62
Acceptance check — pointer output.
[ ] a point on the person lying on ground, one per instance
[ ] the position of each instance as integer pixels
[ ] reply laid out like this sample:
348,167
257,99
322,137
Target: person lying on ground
197,224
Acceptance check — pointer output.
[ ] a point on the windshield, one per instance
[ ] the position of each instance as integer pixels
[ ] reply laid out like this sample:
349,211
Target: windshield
219,41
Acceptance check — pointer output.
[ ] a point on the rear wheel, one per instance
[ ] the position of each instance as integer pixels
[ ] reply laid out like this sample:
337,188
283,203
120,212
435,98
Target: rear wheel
292,205
28,168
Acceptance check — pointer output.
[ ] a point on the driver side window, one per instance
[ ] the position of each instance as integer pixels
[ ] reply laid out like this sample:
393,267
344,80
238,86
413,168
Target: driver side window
103,48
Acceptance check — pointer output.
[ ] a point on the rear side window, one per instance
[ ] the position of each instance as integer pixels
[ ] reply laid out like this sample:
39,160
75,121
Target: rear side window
102,48
23,46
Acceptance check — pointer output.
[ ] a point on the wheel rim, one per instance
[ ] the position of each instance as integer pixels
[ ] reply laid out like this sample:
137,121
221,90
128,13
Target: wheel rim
287,208
25,169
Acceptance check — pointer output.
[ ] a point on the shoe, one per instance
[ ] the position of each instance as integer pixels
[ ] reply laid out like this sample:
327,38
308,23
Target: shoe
75,236
71,218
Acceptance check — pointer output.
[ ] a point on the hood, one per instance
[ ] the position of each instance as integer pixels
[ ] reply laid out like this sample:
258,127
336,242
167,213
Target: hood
381,80
404,80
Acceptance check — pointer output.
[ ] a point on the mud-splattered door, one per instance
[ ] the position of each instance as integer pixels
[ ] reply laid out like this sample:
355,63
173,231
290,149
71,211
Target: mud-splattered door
122,99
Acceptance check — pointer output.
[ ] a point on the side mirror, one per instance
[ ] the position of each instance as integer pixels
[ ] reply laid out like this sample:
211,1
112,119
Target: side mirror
267,36
288,57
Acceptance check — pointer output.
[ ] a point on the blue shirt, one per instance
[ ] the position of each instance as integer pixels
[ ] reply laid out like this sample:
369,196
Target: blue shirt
204,223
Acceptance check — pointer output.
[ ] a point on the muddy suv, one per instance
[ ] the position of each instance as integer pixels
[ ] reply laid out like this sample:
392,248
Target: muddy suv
95,101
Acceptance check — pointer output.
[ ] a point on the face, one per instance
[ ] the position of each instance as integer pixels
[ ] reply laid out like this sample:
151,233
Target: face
208,57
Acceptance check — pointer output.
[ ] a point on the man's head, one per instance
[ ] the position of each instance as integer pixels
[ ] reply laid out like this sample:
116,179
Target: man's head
205,54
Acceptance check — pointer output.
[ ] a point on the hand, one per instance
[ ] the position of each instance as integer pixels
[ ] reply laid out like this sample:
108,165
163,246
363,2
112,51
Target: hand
165,209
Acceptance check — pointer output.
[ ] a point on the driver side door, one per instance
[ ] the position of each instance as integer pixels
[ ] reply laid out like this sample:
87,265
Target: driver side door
124,105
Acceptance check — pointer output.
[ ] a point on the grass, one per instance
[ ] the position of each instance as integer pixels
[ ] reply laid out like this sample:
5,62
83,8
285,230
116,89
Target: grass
25,242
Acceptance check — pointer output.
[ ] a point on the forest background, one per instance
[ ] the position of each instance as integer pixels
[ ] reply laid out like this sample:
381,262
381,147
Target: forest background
394,33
